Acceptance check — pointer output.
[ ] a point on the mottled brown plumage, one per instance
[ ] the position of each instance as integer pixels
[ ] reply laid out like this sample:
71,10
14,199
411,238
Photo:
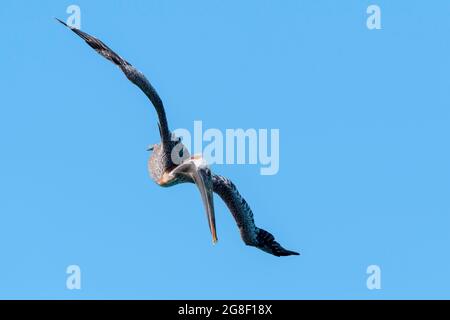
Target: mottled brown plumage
170,163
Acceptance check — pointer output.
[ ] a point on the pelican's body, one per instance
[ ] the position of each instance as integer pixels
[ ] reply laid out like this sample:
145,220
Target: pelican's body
170,164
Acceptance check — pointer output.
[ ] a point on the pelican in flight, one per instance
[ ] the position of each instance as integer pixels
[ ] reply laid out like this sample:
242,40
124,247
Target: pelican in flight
170,163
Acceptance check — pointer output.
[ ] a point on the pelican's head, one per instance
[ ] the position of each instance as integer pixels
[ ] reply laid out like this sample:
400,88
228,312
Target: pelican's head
195,170
174,166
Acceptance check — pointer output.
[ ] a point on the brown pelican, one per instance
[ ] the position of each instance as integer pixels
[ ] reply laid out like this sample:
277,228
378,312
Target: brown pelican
170,163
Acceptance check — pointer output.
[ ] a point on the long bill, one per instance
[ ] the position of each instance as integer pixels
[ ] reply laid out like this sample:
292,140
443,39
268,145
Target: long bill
201,176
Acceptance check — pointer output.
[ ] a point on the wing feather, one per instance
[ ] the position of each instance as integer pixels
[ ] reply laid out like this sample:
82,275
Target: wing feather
243,215
134,75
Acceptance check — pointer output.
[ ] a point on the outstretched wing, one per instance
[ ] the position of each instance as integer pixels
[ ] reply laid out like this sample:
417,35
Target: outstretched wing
132,74
250,233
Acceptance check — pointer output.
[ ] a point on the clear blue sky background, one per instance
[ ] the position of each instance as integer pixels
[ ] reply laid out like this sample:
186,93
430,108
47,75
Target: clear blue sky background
364,124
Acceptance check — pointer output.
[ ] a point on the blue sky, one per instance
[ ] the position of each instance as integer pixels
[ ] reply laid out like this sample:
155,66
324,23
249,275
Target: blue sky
364,160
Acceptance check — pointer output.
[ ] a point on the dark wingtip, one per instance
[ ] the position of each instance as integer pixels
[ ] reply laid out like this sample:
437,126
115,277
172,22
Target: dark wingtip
266,242
62,22
286,253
